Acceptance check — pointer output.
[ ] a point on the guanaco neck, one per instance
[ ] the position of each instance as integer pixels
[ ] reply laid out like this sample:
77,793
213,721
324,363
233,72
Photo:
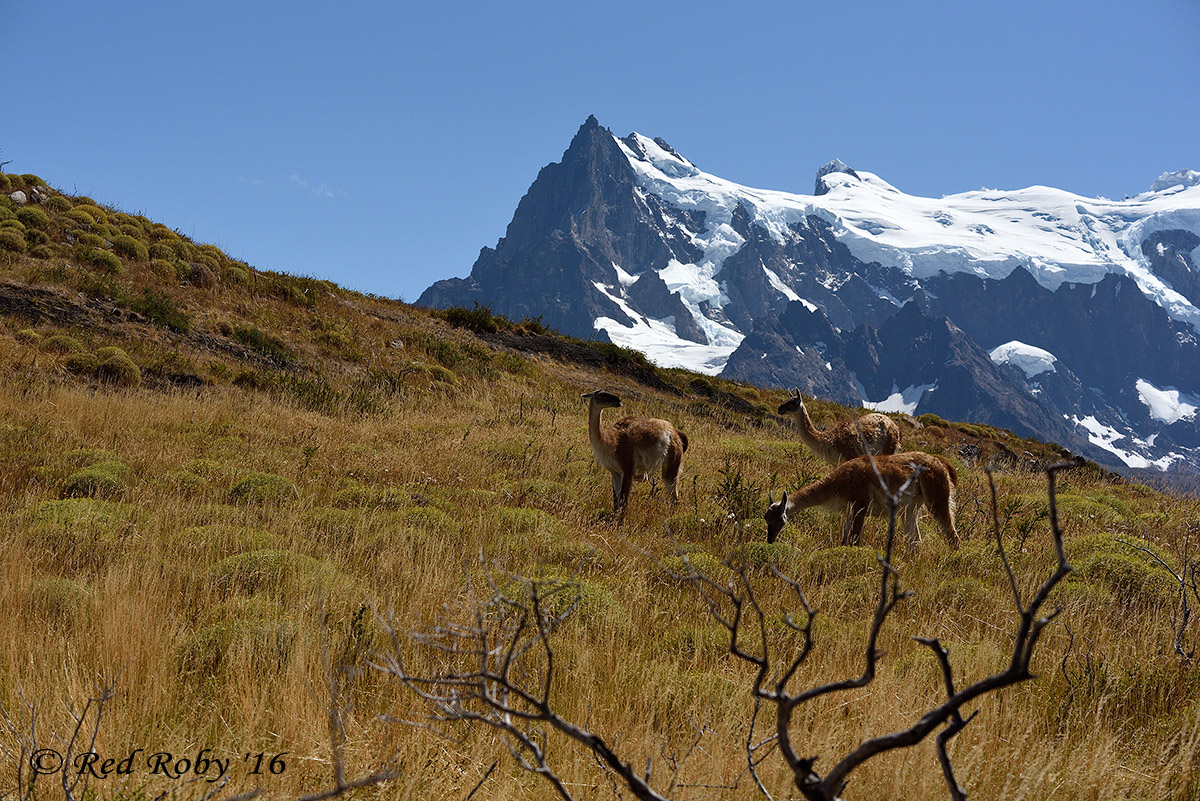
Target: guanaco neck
815,494
810,435
600,443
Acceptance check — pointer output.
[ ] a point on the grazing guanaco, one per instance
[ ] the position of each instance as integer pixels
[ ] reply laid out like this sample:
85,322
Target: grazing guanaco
633,447
844,440
855,487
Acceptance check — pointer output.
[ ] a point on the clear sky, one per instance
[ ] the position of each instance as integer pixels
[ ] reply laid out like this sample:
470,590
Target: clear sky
381,144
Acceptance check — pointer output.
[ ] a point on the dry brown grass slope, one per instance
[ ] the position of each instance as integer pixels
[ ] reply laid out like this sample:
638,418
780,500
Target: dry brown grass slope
200,463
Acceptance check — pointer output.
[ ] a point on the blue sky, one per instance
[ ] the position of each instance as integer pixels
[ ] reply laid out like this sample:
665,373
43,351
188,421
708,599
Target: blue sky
380,145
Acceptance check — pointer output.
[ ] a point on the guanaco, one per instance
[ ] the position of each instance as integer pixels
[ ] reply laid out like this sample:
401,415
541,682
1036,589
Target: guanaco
846,439
633,447
856,488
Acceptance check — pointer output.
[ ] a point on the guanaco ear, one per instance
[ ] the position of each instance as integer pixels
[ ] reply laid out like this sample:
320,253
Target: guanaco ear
783,500
770,499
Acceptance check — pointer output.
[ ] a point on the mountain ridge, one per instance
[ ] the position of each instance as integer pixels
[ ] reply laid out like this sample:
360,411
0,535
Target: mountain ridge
1108,288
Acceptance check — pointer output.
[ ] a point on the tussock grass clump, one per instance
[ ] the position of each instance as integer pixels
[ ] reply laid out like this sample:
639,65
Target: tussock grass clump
523,522
428,519
264,489
966,592
220,540
211,653
81,513
692,557
691,642
100,480
262,571
33,217
841,562
257,339
102,260
1128,578
12,241
63,602
161,309
113,366
357,494
758,554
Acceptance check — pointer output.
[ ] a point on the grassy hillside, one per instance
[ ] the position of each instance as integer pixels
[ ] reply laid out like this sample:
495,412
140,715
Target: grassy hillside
208,472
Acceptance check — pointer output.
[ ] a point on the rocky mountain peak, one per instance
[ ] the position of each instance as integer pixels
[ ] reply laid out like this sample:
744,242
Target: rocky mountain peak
836,165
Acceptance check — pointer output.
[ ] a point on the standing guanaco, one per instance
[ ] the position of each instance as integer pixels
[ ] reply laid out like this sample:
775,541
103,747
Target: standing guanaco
633,447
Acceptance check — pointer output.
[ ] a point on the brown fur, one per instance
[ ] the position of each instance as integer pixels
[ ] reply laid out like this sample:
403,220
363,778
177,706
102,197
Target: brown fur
633,447
845,439
854,486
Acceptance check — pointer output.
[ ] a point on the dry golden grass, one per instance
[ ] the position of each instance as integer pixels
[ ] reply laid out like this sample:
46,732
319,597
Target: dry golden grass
209,609
234,530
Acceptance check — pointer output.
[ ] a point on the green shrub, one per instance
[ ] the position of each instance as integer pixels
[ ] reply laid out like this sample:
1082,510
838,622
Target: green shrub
33,217
261,571
58,204
30,179
115,367
264,488
357,494
695,641
762,554
99,480
86,513
258,340
13,224
267,644
61,602
238,273
12,241
841,562
80,215
82,363
964,592
161,250
689,558
161,309
523,521
28,336
478,319
556,593
930,419
6,184
130,248
428,519
89,240
61,343
1129,578
100,259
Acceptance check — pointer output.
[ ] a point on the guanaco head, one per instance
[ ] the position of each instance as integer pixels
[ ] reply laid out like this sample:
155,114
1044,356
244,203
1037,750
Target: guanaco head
792,404
776,517
602,398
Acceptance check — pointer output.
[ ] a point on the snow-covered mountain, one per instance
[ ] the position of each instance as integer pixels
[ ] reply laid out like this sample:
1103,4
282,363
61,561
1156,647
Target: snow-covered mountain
1070,318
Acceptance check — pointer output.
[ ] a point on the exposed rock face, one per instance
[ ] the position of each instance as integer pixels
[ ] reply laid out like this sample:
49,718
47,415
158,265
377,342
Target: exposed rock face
580,217
626,237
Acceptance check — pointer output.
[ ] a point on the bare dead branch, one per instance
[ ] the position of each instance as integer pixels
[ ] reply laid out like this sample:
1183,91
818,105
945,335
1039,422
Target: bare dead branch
498,671
1186,578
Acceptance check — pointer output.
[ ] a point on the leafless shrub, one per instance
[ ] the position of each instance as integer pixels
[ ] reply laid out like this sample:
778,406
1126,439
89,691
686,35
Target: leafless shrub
1188,579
